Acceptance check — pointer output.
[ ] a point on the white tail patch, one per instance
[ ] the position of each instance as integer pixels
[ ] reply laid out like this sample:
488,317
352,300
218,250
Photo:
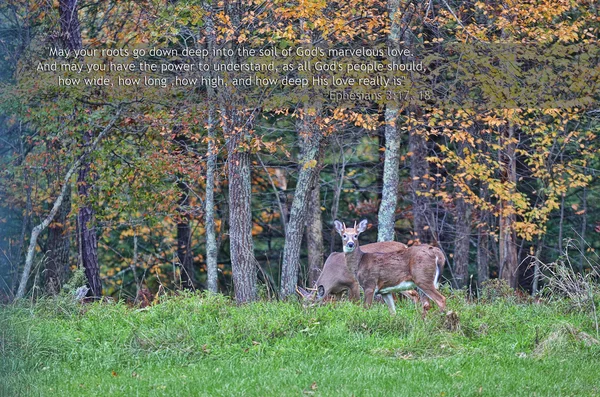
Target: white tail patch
437,274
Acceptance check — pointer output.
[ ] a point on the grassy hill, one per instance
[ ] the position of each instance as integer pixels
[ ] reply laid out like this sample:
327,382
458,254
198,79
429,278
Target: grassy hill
192,345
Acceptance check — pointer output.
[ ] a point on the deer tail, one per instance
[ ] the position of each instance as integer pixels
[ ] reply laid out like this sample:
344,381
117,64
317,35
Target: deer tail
437,273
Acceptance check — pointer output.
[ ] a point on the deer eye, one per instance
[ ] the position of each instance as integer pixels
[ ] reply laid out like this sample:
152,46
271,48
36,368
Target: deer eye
345,237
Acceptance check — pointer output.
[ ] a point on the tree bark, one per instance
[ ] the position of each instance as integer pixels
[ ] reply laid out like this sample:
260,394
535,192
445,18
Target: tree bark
69,24
310,142
461,243
211,168
483,243
243,262
561,223
314,235
58,247
87,230
209,208
71,35
508,238
184,252
419,172
391,165
582,243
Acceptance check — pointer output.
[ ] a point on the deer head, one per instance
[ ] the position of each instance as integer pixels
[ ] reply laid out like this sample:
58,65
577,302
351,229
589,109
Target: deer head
350,235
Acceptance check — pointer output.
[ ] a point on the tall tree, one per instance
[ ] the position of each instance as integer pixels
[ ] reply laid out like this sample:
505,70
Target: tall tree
243,262
462,242
88,240
314,234
211,163
58,245
391,165
311,138
184,240
508,237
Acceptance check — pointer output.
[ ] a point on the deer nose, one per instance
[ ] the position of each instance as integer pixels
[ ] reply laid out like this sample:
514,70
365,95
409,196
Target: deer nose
350,244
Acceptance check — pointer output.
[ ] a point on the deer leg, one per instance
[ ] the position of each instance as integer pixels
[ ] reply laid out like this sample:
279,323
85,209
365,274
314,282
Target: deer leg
389,301
424,301
369,294
354,292
434,294
412,295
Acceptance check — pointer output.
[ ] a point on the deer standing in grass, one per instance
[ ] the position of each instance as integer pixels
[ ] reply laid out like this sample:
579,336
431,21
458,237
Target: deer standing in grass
383,273
335,278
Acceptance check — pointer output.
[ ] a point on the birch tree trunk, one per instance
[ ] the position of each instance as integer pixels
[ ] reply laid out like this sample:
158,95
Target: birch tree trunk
209,208
391,165
211,165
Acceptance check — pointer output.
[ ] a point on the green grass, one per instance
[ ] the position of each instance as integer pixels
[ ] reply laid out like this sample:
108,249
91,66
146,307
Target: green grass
205,345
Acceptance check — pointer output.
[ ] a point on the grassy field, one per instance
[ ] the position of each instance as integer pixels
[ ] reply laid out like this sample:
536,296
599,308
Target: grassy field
204,345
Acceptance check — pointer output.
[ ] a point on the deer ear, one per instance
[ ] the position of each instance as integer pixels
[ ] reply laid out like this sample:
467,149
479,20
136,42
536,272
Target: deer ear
339,227
362,226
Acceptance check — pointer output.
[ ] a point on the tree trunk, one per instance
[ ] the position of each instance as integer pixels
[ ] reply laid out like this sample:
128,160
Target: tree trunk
184,252
314,235
69,24
339,172
243,263
561,223
211,167
209,208
58,247
419,172
87,230
391,165
508,238
310,143
582,243
483,243
461,243
71,35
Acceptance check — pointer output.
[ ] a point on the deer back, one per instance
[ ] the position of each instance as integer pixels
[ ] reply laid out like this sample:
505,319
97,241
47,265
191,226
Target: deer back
418,264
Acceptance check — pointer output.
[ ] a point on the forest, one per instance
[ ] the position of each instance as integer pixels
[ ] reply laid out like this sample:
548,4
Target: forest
174,174
163,188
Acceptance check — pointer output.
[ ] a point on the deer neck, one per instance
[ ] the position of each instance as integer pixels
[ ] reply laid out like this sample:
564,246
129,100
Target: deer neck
353,259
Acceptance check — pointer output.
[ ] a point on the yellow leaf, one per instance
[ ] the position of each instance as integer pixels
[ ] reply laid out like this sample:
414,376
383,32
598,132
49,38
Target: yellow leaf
310,164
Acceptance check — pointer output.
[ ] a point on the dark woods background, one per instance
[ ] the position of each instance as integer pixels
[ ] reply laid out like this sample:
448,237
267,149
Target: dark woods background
190,188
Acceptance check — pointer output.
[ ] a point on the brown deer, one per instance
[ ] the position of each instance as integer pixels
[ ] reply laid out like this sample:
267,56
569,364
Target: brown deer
335,278
383,273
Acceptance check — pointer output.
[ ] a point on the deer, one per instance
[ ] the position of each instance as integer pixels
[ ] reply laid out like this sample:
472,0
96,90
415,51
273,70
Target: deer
418,266
335,278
